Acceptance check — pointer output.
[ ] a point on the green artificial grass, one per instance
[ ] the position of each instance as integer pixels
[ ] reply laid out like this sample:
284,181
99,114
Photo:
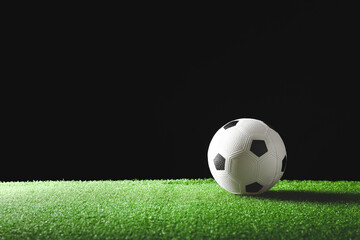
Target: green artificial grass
177,209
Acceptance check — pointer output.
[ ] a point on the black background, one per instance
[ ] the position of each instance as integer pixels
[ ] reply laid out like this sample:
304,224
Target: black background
140,95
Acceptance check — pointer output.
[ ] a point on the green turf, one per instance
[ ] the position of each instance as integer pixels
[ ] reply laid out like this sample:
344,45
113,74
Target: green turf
177,209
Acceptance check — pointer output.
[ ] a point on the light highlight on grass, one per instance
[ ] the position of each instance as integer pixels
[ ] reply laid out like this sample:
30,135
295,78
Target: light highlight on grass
177,209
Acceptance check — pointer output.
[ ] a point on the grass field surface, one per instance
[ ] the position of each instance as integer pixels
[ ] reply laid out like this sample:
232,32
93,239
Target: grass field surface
177,209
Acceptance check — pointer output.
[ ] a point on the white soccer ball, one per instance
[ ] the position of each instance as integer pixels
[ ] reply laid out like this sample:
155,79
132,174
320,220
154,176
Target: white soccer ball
246,156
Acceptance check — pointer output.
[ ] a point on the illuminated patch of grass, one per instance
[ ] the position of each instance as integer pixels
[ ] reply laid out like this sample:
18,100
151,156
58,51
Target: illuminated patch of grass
177,209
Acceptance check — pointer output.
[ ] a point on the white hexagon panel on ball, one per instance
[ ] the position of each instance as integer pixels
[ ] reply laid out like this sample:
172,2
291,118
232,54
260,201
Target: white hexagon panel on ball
246,156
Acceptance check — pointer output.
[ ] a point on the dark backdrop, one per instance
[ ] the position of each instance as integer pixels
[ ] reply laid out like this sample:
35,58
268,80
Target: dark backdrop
141,96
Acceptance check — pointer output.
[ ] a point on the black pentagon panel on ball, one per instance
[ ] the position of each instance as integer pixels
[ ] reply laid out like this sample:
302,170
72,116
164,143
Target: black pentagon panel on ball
253,187
283,164
258,147
219,162
230,124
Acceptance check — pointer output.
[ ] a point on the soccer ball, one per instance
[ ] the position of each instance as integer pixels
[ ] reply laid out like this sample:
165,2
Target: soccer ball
247,157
